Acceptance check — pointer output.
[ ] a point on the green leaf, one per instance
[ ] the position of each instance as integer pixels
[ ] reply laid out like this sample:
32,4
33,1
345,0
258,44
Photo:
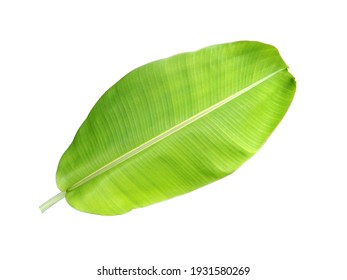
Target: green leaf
174,125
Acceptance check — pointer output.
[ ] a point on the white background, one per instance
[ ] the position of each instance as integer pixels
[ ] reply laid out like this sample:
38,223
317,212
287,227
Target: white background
283,213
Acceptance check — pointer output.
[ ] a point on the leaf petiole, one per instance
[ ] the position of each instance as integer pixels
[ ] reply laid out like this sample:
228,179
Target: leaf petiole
52,201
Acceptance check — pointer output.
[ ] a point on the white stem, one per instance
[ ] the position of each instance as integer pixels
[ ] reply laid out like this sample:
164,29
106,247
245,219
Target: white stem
52,201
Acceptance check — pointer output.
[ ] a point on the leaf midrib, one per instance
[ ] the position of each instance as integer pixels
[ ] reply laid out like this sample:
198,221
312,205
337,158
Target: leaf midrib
168,132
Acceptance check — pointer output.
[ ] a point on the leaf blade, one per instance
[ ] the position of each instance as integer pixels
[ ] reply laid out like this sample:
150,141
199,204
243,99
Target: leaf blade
172,90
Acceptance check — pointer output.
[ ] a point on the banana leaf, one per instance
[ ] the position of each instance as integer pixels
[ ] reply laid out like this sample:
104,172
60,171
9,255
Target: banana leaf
174,125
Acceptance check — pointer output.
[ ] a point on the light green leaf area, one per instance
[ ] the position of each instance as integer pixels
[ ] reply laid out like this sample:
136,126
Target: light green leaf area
174,125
